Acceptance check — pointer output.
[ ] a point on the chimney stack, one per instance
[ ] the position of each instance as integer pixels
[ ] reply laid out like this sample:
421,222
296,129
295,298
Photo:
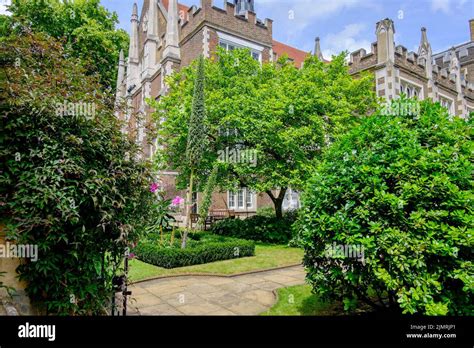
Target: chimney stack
471,27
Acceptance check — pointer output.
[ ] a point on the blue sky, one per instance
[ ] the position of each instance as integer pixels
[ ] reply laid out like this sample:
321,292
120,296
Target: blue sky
350,24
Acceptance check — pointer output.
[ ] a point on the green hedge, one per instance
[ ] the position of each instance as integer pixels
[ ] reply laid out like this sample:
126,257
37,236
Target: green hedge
258,228
205,250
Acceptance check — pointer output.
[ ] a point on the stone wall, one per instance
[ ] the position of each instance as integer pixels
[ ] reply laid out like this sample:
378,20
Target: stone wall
17,300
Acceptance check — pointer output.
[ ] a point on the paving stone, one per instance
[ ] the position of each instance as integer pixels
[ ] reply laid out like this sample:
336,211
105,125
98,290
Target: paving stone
248,294
202,288
251,279
246,307
236,287
145,300
281,279
268,285
226,299
266,298
222,311
164,289
162,309
137,290
181,299
218,280
199,309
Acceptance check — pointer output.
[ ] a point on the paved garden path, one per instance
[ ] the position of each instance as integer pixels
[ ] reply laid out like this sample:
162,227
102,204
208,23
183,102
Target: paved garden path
247,294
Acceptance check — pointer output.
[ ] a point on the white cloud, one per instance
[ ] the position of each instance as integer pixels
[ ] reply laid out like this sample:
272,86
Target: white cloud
446,6
302,13
3,7
349,39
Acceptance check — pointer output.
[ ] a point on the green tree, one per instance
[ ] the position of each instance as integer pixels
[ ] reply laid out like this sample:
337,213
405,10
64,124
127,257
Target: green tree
207,195
70,182
87,29
280,118
398,192
196,139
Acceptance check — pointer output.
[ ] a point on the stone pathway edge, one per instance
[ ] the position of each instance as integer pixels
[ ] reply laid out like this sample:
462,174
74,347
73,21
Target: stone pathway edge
214,274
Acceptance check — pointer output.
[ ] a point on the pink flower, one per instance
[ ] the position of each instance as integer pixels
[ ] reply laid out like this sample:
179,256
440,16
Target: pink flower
131,256
177,201
153,187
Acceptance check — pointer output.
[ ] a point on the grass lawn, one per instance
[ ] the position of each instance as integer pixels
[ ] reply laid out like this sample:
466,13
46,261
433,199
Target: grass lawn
298,300
266,256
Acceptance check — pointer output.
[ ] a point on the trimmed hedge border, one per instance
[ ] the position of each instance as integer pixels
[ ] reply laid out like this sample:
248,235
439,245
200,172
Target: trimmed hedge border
258,228
207,252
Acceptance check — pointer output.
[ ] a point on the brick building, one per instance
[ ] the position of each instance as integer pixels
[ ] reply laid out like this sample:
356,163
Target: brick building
166,36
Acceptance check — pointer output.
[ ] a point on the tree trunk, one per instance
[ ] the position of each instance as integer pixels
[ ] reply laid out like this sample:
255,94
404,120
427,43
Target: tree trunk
278,201
189,203
278,208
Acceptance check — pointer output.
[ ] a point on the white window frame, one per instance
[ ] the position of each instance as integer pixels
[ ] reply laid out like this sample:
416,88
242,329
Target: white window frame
413,86
233,199
241,198
240,43
445,97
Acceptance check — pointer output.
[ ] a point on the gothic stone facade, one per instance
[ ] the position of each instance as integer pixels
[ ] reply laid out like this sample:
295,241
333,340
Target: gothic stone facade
167,36
447,77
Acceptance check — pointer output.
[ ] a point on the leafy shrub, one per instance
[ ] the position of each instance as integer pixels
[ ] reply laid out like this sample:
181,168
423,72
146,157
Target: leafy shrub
401,188
258,228
70,184
266,211
200,249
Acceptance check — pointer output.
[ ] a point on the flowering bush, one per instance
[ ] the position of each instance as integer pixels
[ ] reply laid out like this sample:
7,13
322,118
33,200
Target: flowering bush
71,184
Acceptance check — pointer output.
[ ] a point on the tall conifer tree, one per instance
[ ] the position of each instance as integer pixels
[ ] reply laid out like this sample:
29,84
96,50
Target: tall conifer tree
196,141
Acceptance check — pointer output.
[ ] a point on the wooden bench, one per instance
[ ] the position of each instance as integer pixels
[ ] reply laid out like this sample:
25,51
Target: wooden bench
213,217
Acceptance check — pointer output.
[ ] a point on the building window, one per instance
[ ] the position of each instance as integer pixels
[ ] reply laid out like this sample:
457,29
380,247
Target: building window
409,89
194,209
231,46
291,200
242,199
448,104
249,199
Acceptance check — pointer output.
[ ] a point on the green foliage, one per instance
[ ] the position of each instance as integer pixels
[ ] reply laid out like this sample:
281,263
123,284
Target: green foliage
280,113
70,184
266,211
87,29
196,140
159,216
207,197
258,228
402,188
208,248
